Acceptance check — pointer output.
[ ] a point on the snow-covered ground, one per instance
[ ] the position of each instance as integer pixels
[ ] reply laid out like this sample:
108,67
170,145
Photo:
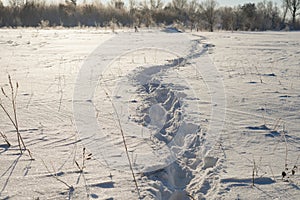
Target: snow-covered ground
202,114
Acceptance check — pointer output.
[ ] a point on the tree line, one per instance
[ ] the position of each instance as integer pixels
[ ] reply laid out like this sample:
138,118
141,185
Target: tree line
192,14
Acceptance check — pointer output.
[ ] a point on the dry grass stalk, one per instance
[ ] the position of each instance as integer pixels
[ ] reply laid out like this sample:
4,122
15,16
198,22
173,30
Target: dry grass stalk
125,144
190,196
276,124
13,118
84,158
54,175
253,173
286,148
260,77
5,138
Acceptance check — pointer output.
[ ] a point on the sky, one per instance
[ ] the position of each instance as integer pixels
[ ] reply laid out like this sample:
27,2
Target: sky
241,2
221,2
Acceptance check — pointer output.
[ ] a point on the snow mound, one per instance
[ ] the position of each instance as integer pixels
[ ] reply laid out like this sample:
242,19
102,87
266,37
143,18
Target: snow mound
171,30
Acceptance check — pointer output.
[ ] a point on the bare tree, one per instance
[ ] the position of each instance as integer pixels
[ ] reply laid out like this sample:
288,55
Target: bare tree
209,11
179,8
294,8
227,15
15,3
267,16
145,14
156,4
285,8
249,13
193,13
179,4
132,4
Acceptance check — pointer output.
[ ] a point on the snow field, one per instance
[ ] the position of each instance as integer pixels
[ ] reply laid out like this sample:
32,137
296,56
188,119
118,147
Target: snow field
170,99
